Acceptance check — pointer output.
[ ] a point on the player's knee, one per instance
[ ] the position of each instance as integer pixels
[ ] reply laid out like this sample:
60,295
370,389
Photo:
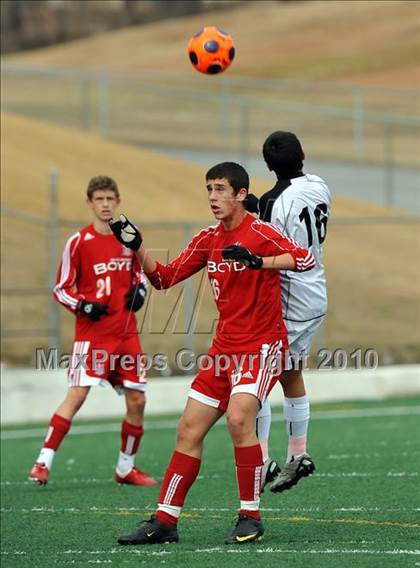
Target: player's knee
77,396
291,377
236,421
187,431
136,402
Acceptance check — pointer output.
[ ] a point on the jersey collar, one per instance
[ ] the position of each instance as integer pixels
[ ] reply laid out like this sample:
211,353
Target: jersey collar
267,200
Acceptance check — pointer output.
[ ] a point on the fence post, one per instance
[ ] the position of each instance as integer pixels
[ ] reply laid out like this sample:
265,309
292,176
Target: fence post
103,96
244,133
226,114
389,165
358,122
53,240
85,103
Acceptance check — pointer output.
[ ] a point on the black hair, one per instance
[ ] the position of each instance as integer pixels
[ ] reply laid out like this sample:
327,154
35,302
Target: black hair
236,175
283,154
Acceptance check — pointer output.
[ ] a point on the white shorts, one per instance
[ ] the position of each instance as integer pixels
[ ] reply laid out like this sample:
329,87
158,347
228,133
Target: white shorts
301,334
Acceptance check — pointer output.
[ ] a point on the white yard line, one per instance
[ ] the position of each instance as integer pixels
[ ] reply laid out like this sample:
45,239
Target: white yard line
186,515
169,424
102,480
224,550
146,510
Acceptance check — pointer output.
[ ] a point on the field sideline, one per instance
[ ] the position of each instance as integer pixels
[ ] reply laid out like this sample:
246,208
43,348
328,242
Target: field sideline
361,508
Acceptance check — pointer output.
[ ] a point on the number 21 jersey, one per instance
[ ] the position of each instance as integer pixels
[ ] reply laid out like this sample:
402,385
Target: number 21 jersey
97,268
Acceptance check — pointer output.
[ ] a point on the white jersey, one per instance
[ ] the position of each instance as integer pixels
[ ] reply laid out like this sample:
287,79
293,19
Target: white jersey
300,208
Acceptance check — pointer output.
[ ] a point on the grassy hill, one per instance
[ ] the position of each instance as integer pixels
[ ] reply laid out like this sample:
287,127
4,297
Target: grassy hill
373,281
368,42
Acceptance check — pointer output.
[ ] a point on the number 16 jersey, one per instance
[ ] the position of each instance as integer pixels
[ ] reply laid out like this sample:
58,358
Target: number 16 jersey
300,208
248,300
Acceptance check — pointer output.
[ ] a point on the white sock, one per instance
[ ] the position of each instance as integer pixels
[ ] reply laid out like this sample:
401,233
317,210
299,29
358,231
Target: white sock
172,510
296,416
250,505
262,427
46,456
125,463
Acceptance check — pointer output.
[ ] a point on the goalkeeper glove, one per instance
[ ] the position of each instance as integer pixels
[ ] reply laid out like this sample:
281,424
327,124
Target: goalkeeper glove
242,255
126,232
135,297
93,310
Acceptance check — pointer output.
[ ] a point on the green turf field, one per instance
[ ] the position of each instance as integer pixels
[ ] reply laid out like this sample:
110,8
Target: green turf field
361,508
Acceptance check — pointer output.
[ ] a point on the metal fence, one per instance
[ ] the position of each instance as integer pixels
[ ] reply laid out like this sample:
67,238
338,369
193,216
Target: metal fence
347,123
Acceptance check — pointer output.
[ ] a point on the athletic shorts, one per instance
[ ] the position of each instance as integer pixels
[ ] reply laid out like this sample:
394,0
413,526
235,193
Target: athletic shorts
115,361
300,335
228,374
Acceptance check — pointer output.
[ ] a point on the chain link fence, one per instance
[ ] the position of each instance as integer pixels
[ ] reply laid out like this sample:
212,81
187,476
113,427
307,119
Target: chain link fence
355,124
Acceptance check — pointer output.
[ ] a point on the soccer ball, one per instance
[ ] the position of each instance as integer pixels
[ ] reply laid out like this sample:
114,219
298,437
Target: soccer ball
211,50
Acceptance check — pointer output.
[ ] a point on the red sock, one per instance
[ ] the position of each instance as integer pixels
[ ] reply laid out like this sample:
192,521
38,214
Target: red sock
179,476
59,427
130,437
248,472
166,518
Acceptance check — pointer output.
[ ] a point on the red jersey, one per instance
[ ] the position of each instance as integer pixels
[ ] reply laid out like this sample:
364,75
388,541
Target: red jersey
97,268
248,301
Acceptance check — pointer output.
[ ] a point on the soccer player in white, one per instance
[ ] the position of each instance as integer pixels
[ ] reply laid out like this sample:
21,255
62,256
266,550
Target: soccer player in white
299,205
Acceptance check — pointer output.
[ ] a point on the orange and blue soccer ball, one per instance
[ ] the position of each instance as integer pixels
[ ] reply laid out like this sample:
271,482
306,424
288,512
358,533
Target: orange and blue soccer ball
211,50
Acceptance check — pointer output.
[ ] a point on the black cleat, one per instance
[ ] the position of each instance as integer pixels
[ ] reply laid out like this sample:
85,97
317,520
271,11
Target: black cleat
270,471
150,532
247,529
292,472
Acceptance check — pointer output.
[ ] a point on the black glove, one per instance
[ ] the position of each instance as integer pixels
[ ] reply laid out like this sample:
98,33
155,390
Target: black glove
252,203
135,297
242,255
126,232
93,310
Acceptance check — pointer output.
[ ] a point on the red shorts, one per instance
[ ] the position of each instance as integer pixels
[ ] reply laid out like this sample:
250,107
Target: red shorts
117,361
227,374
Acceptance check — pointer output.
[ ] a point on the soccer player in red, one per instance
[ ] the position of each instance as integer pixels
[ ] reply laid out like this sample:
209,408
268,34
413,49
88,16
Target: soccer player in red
242,255
101,282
